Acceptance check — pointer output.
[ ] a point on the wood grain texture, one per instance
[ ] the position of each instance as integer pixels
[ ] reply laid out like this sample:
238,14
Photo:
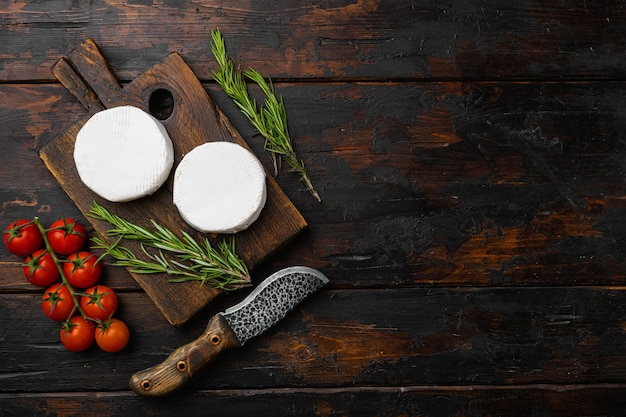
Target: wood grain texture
471,401
362,39
470,157
350,339
434,183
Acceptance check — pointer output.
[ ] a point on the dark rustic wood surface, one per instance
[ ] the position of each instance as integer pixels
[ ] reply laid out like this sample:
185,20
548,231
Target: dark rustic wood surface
470,156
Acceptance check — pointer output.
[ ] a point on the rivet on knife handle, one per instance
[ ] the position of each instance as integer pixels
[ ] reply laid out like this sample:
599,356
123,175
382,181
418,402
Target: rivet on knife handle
185,362
267,304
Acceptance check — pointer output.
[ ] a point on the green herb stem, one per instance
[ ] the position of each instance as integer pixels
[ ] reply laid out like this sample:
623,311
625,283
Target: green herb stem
186,259
270,119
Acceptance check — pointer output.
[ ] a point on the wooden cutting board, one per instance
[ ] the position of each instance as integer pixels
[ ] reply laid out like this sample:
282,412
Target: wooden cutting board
172,93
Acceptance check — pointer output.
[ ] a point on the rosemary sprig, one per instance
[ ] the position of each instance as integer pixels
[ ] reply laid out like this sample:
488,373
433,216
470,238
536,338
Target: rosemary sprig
187,259
270,119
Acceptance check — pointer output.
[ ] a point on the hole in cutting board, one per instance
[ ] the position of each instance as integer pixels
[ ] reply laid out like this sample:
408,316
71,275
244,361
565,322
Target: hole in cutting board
161,103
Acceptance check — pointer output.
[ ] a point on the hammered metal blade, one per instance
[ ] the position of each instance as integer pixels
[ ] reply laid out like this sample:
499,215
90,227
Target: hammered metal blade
272,300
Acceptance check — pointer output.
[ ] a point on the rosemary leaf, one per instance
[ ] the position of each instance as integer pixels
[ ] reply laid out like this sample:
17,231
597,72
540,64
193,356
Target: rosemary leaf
270,120
183,259
192,242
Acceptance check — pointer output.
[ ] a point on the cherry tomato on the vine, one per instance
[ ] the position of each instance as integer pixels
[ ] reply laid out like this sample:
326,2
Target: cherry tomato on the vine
66,236
57,302
100,302
40,269
112,335
77,334
22,237
82,270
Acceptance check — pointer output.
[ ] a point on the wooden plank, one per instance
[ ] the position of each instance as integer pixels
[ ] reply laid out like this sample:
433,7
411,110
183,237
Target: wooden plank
345,40
349,338
441,401
194,120
436,183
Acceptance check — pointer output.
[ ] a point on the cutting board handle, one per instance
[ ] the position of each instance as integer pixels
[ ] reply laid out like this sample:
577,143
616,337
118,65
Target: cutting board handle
87,75
75,84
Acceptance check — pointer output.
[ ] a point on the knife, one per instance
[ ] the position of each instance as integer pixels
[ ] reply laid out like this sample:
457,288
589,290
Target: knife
267,304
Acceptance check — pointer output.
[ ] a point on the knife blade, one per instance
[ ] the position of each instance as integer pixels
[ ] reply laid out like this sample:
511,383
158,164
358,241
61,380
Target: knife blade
267,304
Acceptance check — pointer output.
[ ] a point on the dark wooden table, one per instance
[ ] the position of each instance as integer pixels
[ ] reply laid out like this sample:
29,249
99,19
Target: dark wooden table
470,156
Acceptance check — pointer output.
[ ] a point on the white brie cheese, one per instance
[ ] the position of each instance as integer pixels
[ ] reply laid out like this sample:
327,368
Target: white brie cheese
123,153
219,187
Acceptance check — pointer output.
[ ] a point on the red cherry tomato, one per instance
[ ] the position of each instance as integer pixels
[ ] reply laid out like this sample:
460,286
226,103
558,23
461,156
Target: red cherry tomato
66,236
100,302
82,270
22,237
77,334
112,335
40,268
57,302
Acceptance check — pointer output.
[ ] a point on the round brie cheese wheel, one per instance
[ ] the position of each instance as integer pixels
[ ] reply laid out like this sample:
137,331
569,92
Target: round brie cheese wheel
123,153
219,187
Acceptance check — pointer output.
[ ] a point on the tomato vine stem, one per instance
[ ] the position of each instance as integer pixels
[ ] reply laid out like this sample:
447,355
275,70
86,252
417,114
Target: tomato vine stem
59,266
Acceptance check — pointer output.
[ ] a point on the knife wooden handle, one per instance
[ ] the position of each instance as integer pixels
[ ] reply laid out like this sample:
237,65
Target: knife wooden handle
186,362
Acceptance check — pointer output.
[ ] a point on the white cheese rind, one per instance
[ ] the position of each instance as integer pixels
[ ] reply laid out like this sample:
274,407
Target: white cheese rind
219,187
123,153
